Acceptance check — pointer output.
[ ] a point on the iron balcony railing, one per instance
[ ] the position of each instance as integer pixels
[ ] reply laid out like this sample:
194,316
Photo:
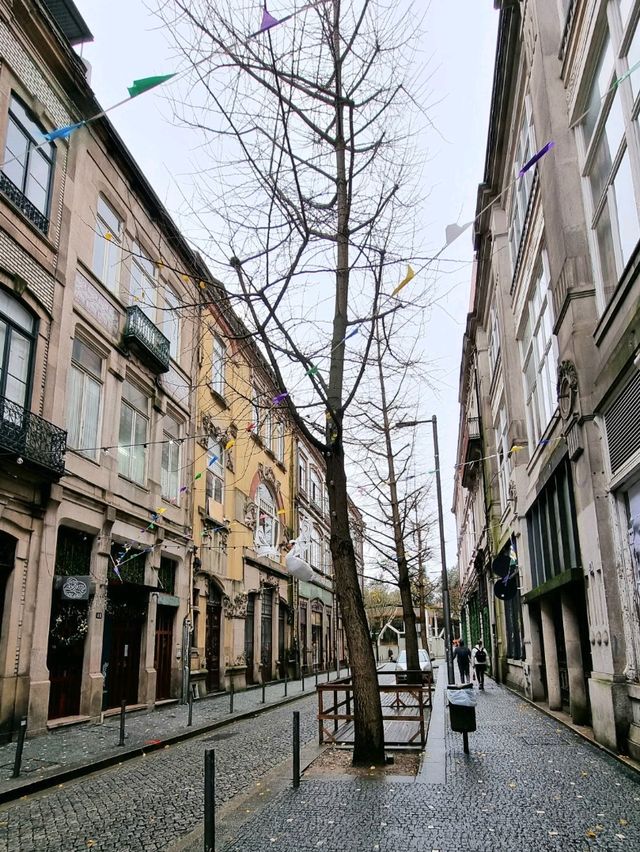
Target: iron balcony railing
31,438
150,343
473,428
20,200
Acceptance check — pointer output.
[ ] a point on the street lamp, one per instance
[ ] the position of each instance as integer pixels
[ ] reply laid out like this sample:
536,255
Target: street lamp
445,578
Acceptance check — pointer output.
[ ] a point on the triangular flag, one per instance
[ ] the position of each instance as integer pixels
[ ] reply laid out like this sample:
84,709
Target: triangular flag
212,460
453,231
229,444
535,158
146,83
280,398
268,21
62,132
183,489
312,371
197,476
410,274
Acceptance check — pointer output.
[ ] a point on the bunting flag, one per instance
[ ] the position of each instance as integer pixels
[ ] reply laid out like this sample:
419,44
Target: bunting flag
312,371
197,476
250,427
62,132
146,83
201,285
108,236
280,398
408,277
183,489
281,512
535,158
453,231
268,21
212,460
353,333
229,444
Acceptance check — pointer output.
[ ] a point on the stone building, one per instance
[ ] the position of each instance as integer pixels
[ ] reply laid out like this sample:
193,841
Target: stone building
550,359
95,397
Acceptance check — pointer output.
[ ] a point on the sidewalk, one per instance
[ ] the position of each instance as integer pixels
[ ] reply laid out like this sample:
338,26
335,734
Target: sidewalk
529,784
84,747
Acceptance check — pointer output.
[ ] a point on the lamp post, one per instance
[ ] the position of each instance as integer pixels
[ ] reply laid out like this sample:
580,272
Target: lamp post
445,578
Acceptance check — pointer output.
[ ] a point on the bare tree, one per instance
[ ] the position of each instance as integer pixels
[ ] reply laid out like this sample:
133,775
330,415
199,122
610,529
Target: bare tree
308,133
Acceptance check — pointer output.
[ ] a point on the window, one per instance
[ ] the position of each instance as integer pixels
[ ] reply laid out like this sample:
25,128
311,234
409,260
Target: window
502,446
170,323
302,471
170,473
494,340
278,440
28,165
17,340
85,391
215,472
537,355
218,363
167,575
106,245
267,428
316,489
143,282
256,405
525,149
315,554
267,526
609,151
134,427
327,560
514,628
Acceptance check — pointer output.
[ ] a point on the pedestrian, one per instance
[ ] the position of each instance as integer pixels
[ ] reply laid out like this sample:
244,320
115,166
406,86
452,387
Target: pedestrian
479,662
390,655
463,655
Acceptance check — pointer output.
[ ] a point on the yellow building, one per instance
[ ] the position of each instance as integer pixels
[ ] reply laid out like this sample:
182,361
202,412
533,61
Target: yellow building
242,511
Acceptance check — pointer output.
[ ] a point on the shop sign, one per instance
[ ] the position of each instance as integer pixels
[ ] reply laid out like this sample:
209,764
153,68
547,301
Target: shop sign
76,588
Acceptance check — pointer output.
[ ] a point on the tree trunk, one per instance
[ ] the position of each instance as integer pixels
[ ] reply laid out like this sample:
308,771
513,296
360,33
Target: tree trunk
368,747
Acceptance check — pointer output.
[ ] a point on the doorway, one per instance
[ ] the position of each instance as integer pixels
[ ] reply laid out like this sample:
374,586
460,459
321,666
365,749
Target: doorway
281,646
212,649
125,615
163,651
249,637
65,656
266,657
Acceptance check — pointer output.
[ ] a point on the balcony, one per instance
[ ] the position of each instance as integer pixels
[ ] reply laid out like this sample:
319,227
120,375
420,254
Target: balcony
20,200
471,450
31,439
146,340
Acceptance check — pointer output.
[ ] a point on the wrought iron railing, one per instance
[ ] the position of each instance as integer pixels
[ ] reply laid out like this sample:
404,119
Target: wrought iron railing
31,438
20,200
566,32
473,428
153,347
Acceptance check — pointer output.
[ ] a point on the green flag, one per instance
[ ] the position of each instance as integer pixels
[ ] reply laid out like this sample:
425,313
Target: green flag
146,83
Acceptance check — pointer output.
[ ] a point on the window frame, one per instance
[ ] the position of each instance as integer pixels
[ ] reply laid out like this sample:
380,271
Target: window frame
218,364
139,258
87,375
171,431
303,471
215,471
170,314
521,192
138,414
108,247
261,505
14,326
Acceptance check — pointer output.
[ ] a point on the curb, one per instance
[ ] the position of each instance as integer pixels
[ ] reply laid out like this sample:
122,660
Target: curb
622,759
79,770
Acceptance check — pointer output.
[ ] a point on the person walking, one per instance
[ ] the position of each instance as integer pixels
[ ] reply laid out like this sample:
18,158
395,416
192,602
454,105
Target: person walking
479,662
463,655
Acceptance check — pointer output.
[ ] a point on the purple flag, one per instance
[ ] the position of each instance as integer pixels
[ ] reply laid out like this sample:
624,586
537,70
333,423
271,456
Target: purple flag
535,158
268,21
280,398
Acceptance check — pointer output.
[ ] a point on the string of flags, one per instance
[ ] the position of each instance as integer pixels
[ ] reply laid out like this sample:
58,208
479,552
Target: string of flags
269,22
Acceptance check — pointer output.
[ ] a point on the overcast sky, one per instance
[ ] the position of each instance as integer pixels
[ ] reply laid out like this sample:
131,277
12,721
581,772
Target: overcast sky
460,45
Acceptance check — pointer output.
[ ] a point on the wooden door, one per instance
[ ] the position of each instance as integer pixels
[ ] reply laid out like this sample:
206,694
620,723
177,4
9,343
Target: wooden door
265,634
122,657
281,646
164,651
65,657
212,650
249,637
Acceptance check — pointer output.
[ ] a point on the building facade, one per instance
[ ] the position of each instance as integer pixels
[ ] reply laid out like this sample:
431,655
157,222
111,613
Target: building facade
551,357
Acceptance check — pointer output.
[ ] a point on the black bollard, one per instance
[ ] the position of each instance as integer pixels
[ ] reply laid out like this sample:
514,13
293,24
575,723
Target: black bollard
190,719
231,694
302,679
263,692
296,748
316,677
123,710
286,683
17,763
209,800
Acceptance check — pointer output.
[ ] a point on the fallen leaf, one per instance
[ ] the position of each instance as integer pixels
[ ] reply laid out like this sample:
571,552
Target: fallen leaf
623,821
620,836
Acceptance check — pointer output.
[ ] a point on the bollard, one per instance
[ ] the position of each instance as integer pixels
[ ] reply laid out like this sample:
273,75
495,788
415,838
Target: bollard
302,679
263,691
209,800
286,683
123,710
296,748
19,747
328,674
338,668
231,694
190,719
316,677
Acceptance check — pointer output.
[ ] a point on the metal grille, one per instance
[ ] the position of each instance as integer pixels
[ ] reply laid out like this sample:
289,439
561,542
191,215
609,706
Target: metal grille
622,422
20,200
153,346
31,438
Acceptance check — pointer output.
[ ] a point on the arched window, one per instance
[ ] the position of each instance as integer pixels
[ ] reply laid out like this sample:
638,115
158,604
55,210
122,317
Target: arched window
267,526
17,335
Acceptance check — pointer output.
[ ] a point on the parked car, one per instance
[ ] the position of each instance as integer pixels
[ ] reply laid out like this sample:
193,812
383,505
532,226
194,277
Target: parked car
425,665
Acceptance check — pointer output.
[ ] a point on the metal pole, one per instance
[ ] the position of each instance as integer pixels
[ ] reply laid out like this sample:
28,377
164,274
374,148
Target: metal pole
263,696
231,694
209,800
302,679
286,681
123,708
445,577
190,719
296,748
17,763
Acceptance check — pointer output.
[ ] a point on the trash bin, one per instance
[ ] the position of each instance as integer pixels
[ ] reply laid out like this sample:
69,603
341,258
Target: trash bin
462,708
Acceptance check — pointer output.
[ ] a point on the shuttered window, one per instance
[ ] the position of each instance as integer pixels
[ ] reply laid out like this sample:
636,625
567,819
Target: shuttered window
623,424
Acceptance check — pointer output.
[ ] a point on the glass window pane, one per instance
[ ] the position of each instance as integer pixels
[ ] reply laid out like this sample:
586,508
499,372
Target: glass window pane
109,217
12,309
99,251
33,129
74,407
633,57
601,82
625,8
90,414
605,251
18,365
600,170
626,209
37,196
84,355
15,154
125,438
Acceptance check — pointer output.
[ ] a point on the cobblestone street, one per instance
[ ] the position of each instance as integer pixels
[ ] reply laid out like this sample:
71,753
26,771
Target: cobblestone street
147,803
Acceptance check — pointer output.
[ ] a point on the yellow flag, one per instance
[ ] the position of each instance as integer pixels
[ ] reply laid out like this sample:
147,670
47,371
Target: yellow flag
410,274
108,235
229,444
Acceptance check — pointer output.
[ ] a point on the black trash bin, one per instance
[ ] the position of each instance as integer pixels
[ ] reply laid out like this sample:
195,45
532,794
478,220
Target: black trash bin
462,717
